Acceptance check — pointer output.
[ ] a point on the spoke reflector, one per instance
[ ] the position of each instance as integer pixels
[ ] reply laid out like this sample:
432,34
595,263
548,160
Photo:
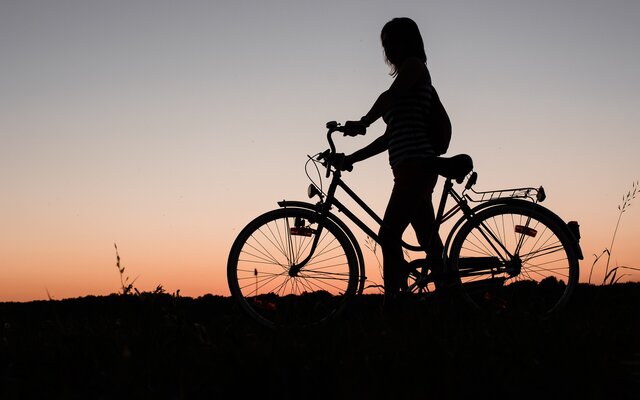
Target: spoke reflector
526,230
302,231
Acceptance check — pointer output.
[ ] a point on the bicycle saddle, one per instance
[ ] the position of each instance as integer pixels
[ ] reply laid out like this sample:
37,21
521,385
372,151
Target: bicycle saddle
456,167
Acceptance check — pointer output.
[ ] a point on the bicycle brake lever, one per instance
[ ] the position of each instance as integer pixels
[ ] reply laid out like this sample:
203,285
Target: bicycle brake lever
324,160
323,155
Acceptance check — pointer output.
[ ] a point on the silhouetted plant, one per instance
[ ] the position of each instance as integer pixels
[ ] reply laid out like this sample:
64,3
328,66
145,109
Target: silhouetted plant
611,276
159,290
126,286
371,244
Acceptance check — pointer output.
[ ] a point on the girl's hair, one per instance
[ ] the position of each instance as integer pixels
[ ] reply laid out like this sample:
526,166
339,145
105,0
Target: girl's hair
401,39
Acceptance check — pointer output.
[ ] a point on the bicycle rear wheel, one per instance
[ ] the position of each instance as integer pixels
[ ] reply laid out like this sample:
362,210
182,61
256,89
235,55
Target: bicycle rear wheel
261,278
515,258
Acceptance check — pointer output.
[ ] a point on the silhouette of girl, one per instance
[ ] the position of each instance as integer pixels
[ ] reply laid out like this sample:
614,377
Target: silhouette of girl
403,108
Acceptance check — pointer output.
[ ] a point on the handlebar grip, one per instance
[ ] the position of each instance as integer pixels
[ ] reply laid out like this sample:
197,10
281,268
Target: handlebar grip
332,125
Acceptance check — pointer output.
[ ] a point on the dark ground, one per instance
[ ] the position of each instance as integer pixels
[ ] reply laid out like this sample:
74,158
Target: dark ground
159,346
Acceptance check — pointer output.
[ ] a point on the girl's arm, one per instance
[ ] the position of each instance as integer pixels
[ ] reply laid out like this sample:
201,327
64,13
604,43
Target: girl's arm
412,72
374,148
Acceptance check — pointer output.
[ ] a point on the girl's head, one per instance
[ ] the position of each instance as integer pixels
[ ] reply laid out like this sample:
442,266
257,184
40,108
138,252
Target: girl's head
401,39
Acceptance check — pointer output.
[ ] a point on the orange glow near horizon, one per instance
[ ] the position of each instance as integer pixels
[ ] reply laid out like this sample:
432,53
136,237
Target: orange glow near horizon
196,266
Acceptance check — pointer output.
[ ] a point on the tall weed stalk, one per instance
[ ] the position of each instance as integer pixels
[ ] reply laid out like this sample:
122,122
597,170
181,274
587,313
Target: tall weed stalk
126,286
611,276
372,246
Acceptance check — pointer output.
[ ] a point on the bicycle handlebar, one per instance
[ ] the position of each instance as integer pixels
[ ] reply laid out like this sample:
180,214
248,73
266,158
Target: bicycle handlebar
348,130
328,155
332,126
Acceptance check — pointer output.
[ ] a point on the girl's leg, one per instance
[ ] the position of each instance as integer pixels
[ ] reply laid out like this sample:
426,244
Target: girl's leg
423,220
395,222
406,204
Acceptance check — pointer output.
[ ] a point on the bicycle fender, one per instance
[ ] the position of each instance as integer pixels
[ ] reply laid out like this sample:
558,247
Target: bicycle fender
333,218
527,204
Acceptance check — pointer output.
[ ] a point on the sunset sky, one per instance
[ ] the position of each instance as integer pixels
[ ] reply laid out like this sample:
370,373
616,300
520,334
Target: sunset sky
166,126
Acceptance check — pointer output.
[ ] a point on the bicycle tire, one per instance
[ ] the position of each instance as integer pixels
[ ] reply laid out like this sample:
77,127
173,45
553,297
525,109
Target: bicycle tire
536,275
260,260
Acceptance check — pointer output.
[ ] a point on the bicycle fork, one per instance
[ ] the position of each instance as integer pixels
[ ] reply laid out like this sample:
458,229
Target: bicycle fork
299,227
294,269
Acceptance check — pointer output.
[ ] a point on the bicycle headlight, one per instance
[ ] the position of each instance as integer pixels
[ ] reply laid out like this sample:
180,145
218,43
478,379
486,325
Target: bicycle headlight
312,191
541,195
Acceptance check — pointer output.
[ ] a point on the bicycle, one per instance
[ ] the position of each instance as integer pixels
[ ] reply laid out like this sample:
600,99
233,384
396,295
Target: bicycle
300,264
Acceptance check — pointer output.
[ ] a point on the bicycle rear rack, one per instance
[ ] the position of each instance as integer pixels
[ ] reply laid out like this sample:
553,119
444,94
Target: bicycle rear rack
532,194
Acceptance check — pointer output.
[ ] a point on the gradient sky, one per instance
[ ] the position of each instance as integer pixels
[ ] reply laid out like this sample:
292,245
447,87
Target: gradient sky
165,126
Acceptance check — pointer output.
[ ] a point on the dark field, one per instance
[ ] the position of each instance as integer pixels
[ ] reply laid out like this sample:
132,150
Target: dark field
159,346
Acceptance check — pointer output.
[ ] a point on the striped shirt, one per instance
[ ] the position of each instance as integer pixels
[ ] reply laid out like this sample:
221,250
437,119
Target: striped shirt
407,125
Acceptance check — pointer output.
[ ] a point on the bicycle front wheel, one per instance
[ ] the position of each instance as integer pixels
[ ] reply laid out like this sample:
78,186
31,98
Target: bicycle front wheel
292,268
515,258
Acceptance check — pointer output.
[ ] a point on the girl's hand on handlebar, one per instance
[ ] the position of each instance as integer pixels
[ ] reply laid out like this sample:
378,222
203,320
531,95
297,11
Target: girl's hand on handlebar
337,160
354,128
